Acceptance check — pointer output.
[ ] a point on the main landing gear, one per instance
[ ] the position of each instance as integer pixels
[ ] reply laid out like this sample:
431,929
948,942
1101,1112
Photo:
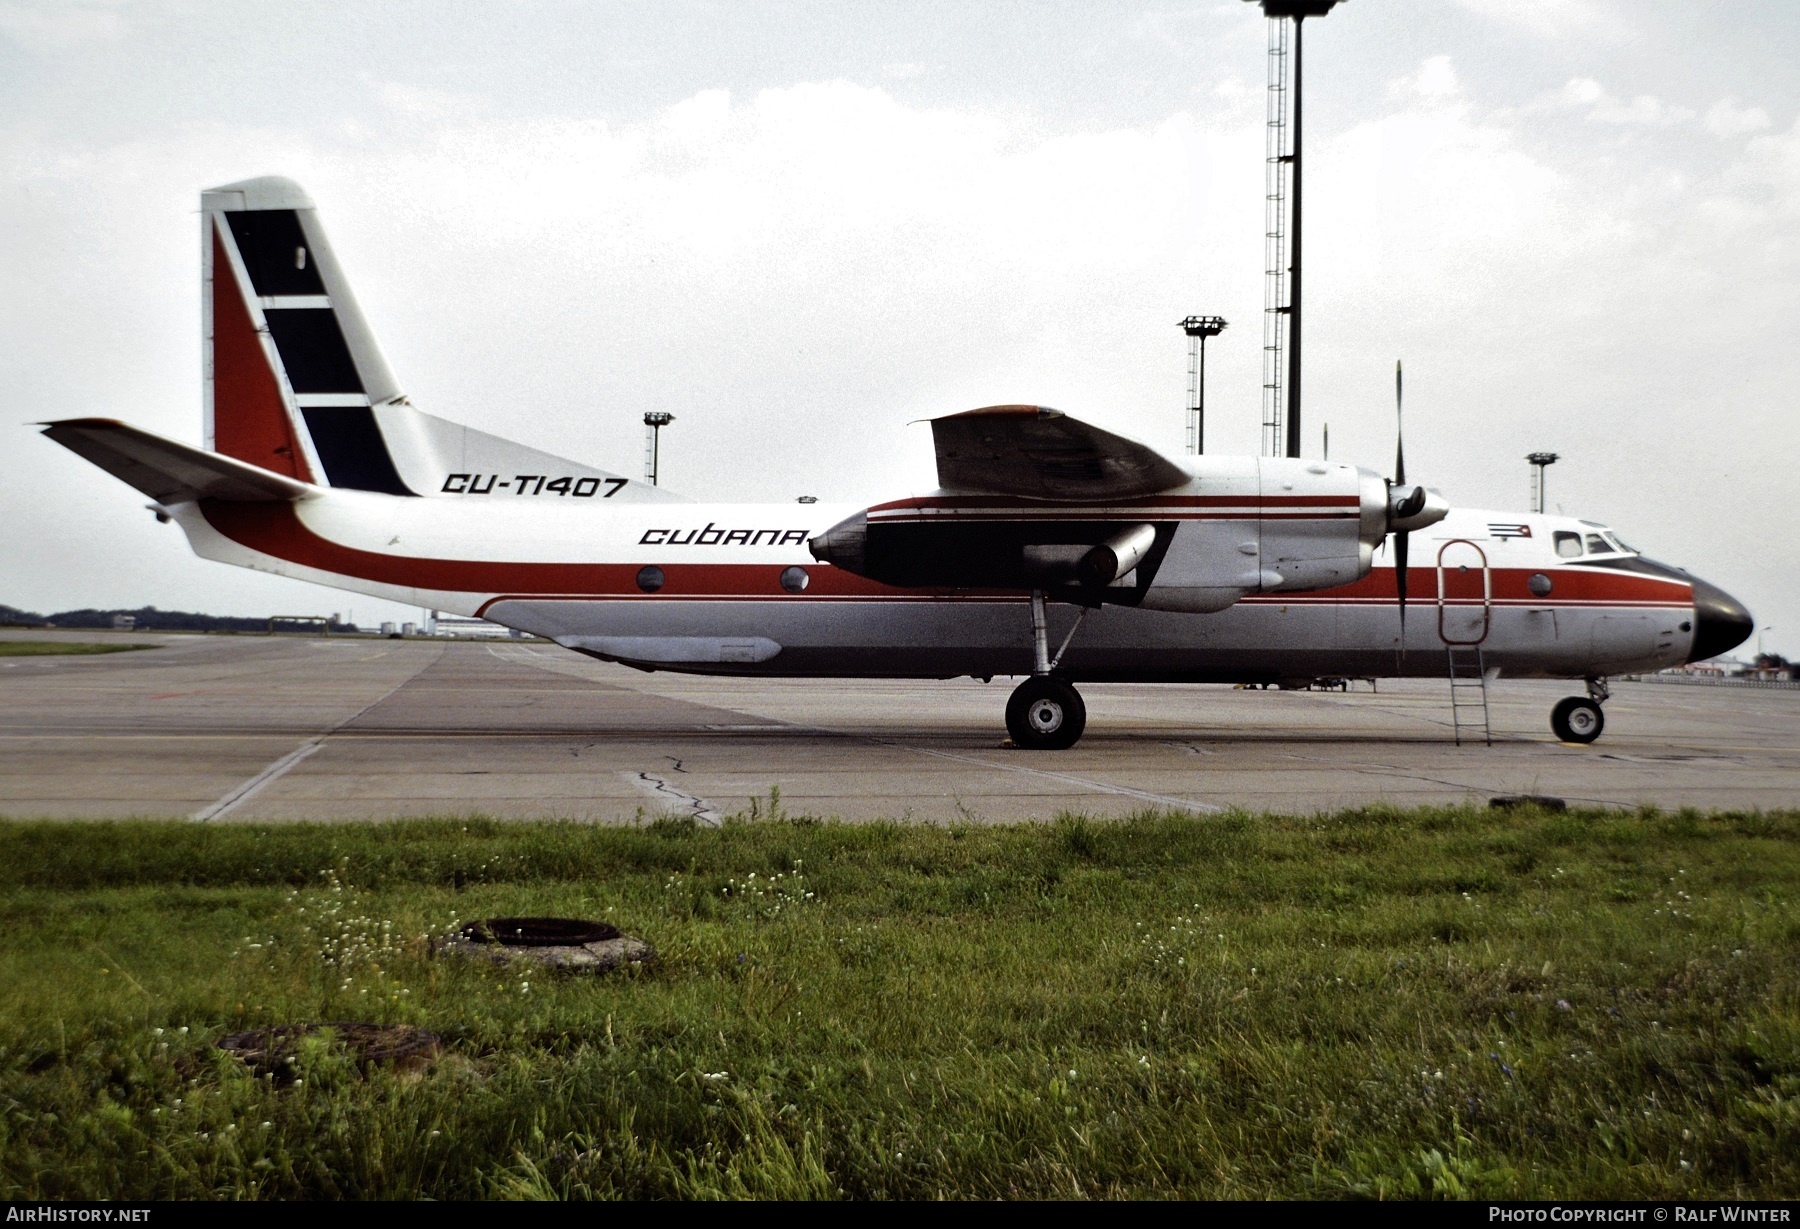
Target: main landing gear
1045,713
1578,719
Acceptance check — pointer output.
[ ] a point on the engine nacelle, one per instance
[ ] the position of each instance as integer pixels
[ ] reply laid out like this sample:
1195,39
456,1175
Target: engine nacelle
1279,525
1242,525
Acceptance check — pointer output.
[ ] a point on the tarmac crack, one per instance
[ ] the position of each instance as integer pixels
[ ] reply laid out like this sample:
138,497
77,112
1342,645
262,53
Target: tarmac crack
660,788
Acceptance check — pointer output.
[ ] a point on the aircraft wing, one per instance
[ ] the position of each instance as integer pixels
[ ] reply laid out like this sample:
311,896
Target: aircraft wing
166,471
1036,452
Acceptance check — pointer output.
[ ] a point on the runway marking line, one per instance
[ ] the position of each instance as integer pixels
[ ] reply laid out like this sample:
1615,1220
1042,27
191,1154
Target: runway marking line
1096,786
274,772
1404,774
261,781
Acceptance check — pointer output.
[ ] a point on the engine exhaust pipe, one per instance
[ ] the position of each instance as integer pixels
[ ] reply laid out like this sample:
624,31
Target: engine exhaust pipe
1115,556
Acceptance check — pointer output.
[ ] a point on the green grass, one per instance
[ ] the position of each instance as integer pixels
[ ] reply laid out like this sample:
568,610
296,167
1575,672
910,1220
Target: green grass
1374,1003
56,648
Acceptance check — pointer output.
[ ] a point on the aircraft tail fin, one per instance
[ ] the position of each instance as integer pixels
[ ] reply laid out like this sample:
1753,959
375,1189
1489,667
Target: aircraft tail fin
296,385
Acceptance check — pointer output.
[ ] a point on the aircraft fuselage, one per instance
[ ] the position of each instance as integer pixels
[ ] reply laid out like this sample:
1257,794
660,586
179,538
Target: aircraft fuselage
734,589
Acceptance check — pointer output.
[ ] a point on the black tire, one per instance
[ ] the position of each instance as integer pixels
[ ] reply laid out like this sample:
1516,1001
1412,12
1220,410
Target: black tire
1045,714
1577,719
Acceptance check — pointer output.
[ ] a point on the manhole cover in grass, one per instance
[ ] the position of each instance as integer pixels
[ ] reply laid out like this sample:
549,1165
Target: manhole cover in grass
538,931
1514,802
567,943
272,1049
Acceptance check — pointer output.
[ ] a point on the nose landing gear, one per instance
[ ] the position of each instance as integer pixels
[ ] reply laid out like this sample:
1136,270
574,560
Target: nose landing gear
1045,713
1579,719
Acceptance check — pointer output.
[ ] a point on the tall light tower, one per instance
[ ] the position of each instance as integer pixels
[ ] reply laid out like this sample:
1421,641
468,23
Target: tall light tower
654,421
1284,180
1540,461
1198,329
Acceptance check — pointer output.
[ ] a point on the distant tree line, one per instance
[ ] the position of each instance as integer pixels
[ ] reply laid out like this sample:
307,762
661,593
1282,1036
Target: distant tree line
148,618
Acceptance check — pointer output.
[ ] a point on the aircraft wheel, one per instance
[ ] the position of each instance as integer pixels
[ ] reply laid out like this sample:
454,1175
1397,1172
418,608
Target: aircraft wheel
1577,720
1045,714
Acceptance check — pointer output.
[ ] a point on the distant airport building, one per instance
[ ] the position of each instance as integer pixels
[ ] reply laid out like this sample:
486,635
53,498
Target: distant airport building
463,628
1767,668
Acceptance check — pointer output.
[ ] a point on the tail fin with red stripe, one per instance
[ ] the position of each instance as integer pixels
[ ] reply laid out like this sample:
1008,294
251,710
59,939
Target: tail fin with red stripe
296,385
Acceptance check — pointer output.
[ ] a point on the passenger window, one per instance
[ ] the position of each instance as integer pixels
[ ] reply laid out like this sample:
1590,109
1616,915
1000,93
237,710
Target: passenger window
1568,545
1598,545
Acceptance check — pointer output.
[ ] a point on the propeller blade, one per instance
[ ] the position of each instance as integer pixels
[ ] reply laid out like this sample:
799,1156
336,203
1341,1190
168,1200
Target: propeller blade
1399,442
1401,543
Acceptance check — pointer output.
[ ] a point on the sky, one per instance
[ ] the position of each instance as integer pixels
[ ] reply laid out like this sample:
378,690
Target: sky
803,227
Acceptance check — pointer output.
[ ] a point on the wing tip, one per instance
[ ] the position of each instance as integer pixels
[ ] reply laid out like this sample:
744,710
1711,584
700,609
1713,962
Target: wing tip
1006,411
75,424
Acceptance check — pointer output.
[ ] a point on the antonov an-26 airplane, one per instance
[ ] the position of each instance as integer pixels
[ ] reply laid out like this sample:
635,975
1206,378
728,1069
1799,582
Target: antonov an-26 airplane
1052,549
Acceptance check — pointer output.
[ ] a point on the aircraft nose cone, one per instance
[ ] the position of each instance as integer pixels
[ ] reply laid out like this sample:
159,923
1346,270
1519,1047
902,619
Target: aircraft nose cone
1721,622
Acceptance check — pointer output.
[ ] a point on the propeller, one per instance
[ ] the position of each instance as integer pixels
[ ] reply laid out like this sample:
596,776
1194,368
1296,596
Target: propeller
1409,507
1401,503
1402,538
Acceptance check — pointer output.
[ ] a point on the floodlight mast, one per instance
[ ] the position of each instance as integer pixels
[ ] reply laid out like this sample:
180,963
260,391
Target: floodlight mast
1198,329
655,420
1540,461
1297,11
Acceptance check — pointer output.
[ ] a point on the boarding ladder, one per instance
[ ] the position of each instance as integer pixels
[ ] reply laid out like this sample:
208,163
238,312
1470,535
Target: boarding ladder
1465,602
1468,692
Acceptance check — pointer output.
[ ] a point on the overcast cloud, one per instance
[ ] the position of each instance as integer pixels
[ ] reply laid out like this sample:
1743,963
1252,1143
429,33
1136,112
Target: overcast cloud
801,227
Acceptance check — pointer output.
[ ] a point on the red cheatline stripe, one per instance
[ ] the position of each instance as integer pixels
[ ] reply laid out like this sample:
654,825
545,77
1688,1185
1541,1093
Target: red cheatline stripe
1144,501
1509,586
276,530
1011,516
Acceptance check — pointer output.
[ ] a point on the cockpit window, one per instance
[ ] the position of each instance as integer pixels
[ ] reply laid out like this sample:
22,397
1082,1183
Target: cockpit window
1619,542
1598,545
1568,545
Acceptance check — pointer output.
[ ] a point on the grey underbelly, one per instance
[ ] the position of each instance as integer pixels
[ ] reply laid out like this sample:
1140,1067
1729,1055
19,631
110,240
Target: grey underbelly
1252,641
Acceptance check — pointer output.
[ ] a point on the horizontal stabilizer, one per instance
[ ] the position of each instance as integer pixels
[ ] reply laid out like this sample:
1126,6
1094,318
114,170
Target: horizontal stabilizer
168,472
1039,453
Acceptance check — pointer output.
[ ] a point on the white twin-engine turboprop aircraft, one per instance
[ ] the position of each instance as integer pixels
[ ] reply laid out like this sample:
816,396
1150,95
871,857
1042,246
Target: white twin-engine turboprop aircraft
1052,549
